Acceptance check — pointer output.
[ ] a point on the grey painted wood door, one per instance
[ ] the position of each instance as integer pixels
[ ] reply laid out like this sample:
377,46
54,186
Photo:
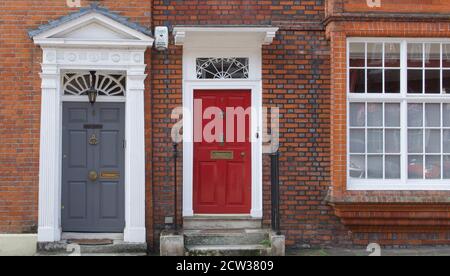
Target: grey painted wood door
93,142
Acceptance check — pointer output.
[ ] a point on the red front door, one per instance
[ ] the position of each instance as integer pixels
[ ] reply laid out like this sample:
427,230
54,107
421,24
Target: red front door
222,152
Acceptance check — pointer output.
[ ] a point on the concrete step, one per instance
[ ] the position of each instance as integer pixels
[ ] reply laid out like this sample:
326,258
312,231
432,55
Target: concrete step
218,222
227,250
226,237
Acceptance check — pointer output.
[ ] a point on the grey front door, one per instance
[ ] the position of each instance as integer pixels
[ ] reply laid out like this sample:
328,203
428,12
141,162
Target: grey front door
93,192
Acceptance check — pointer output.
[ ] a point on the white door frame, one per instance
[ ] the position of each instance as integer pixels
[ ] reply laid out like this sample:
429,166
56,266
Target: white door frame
51,146
255,89
91,41
223,42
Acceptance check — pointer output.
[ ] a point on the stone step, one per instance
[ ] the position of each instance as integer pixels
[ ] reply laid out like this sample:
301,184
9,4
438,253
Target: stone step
118,247
213,222
227,250
226,237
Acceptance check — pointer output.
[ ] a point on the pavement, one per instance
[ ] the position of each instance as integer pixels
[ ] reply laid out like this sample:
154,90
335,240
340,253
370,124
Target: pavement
412,251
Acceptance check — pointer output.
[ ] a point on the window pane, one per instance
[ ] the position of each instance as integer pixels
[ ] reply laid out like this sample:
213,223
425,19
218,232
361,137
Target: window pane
446,55
357,54
415,115
357,141
415,167
433,141
374,54
447,167
415,141
446,139
446,81
374,115
357,81
433,167
375,167
415,55
392,116
433,55
415,81
357,166
375,141
357,114
392,55
433,115
446,115
392,141
392,81
392,165
374,81
433,81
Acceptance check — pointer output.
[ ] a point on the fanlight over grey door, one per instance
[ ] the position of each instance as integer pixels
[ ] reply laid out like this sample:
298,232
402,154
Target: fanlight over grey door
93,193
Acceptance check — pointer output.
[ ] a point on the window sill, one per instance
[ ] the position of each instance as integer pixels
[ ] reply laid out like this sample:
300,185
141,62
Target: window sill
397,185
393,211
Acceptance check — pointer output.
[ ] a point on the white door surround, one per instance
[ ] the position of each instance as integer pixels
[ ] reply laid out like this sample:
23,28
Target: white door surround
91,41
223,42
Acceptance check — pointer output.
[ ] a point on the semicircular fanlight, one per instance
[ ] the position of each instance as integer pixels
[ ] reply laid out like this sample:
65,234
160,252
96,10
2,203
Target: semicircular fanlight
77,84
222,68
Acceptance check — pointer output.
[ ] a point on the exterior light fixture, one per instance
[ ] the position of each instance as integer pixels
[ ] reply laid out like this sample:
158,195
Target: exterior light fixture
92,92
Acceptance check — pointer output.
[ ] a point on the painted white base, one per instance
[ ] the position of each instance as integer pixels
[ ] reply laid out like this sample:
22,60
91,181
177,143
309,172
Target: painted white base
49,234
135,235
18,244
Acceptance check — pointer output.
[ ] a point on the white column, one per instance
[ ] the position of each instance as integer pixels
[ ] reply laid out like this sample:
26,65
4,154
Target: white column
135,157
50,156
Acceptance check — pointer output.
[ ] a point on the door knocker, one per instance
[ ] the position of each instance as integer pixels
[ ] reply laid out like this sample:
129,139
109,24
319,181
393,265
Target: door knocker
93,140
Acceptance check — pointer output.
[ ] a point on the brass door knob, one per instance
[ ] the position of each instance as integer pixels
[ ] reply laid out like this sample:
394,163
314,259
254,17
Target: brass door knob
93,176
243,154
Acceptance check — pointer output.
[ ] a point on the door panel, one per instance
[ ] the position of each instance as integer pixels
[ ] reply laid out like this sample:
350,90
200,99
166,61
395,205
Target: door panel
222,166
93,138
77,200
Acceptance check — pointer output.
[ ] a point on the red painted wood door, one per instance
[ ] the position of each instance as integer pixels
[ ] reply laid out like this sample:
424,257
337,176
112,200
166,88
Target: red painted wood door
222,155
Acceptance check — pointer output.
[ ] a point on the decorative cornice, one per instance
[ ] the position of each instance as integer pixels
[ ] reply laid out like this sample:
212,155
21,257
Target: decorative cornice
393,17
268,33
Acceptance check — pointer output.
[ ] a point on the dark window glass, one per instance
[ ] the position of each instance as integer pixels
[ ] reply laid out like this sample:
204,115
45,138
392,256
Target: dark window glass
433,55
375,81
392,55
357,54
446,55
415,81
446,81
392,81
357,81
432,81
374,54
415,55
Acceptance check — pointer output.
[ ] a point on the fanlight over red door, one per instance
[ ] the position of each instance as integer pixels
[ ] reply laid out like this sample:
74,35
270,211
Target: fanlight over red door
222,163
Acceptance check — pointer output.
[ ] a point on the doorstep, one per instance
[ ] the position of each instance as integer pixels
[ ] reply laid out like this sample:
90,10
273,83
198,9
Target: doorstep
99,246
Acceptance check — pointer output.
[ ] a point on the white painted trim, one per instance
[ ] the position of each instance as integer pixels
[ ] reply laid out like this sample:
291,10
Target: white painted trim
402,184
263,35
88,56
227,42
50,37
255,89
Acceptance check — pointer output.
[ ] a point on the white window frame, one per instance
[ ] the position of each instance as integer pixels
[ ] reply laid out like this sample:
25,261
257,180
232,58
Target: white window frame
404,99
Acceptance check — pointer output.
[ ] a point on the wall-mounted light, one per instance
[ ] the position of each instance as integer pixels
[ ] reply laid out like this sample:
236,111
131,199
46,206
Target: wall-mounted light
92,92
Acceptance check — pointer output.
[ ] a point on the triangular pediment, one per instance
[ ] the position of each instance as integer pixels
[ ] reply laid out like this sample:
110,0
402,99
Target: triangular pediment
92,26
94,31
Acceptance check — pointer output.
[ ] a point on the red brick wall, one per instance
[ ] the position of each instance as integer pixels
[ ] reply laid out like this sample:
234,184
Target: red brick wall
389,6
